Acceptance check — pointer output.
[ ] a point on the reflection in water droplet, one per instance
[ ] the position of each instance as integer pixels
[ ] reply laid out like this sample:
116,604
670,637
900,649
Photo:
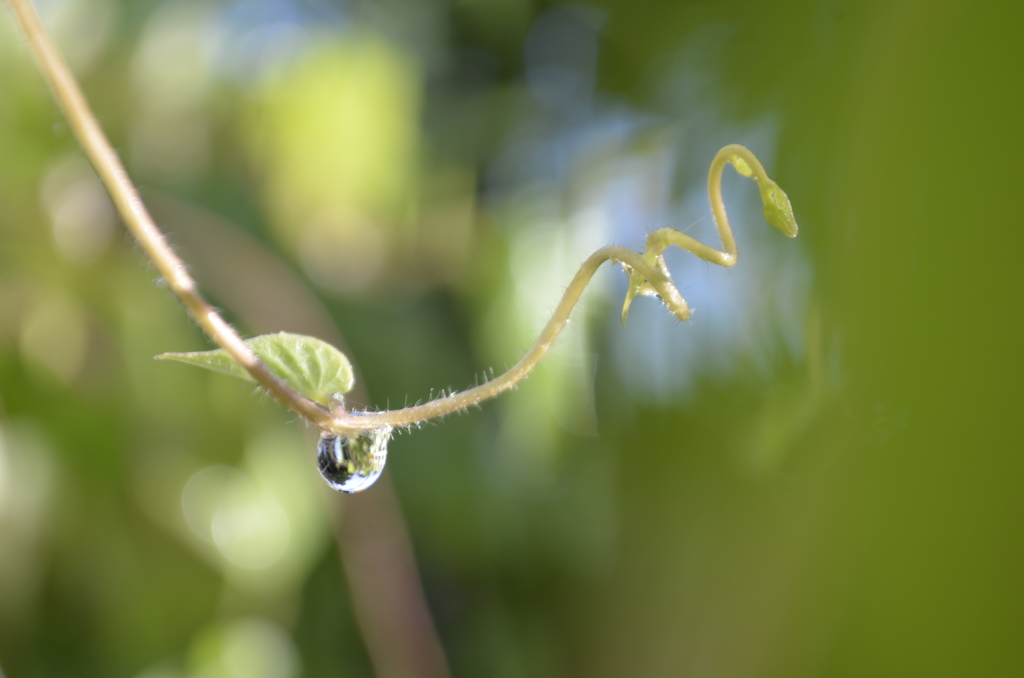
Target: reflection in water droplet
353,464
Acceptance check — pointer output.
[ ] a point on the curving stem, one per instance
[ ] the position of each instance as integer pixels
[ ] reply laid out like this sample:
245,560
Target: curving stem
777,210
648,275
459,401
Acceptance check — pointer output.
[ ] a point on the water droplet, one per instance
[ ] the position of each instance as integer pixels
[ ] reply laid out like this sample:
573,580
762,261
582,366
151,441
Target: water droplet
353,464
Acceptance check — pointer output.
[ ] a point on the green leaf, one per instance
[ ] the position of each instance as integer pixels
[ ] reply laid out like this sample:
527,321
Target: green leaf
312,367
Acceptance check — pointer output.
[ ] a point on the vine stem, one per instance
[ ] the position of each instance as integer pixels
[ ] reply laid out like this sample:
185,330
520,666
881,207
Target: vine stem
648,275
658,278
138,221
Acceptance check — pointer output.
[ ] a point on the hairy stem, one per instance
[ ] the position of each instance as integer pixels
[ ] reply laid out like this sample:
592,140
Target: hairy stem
506,381
647,273
137,219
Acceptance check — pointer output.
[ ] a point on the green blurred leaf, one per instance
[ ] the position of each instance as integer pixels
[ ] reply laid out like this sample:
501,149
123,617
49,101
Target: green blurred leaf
312,367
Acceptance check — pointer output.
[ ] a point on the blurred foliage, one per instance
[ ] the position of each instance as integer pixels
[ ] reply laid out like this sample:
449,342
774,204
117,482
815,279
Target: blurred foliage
817,475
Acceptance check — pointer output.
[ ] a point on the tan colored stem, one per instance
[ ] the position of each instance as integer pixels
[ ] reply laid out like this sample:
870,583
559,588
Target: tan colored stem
508,380
647,271
647,274
137,219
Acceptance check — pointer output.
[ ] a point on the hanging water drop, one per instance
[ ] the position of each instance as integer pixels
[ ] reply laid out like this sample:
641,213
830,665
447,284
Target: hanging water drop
353,464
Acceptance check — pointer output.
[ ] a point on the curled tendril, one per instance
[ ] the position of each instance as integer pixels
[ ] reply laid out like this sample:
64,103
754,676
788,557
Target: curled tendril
648,276
777,212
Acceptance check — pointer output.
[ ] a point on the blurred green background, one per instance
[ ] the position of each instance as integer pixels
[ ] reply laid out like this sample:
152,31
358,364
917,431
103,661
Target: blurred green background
819,474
